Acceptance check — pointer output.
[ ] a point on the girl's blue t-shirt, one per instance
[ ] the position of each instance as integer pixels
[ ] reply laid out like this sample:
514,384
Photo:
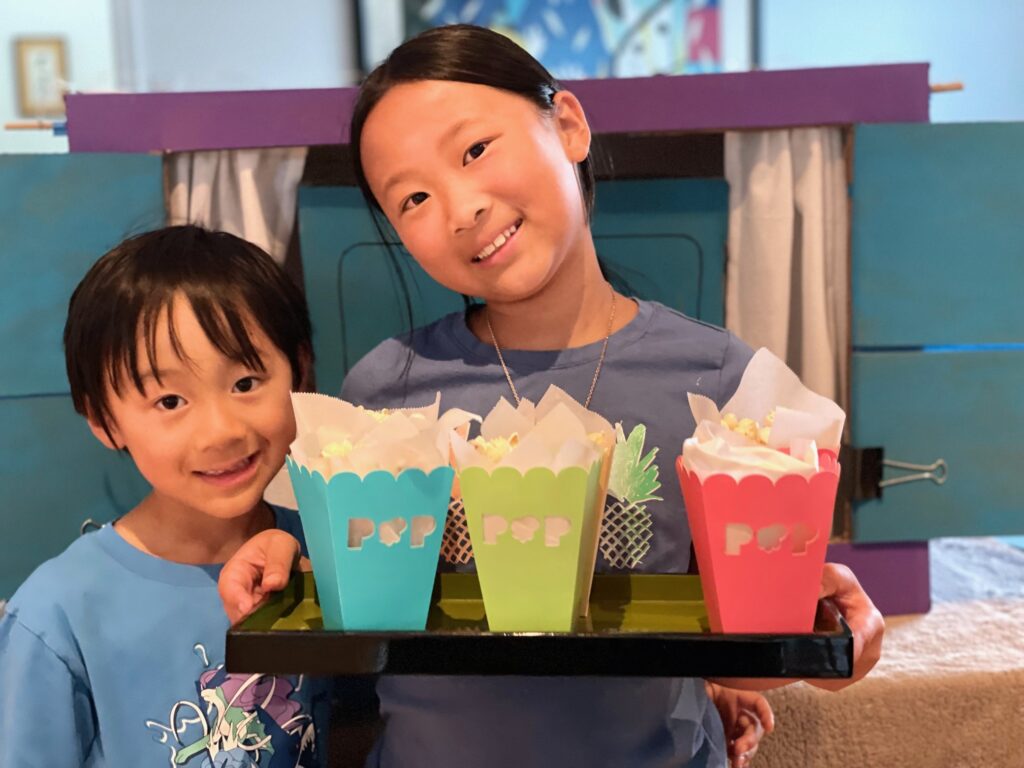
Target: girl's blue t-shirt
650,366
112,657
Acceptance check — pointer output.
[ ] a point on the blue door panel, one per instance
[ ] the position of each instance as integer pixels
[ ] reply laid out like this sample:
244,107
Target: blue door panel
667,238
55,475
59,213
962,406
937,234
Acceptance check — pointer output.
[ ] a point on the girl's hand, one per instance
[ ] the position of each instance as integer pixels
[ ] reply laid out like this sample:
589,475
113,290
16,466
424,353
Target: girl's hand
865,620
746,716
260,566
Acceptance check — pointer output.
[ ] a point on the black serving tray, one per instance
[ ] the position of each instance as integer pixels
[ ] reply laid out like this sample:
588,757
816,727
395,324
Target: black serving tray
640,625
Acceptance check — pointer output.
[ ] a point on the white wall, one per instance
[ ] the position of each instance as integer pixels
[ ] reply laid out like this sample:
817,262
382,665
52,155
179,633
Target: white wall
978,42
735,32
219,45
87,29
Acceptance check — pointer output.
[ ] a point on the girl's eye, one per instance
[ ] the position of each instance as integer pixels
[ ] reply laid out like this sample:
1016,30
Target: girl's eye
474,152
417,198
248,384
170,402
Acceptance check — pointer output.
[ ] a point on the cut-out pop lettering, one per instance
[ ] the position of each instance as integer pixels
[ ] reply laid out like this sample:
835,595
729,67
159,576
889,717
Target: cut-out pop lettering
391,531
422,526
524,529
494,526
802,536
770,537
776,537
737,535
554,529
359,530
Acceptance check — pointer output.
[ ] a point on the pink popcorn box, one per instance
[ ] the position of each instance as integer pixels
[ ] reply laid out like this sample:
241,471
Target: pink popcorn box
761,545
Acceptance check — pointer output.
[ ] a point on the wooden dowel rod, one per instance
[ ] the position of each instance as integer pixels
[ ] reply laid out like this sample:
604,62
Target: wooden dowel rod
29,125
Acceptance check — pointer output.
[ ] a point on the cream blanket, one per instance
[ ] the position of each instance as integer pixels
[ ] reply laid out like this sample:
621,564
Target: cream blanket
949,690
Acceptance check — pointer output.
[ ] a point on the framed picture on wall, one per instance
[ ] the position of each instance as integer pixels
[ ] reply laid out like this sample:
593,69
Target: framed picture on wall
582,38
41,71
593,38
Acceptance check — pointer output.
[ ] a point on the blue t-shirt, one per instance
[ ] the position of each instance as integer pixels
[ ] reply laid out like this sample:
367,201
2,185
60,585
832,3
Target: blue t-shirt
650,366
112,657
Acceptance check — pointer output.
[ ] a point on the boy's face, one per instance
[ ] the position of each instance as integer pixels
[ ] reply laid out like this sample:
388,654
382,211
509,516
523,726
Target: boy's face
212,433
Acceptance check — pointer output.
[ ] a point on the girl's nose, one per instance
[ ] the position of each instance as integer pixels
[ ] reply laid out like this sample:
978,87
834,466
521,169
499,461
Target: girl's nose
467,210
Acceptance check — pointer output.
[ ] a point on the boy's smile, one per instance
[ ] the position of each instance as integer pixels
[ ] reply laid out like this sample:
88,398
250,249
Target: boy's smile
207,432
236,472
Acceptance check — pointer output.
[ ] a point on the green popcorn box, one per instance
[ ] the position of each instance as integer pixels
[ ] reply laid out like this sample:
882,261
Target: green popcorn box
532,487
532,540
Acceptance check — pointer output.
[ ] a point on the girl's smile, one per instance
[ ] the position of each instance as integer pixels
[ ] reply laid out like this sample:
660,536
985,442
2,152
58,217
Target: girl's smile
499,250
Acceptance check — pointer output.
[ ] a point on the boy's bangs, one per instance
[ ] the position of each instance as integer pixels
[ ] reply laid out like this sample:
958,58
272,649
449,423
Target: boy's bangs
221,320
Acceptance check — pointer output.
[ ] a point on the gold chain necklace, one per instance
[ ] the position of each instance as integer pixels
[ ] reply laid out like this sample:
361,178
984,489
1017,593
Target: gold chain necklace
597,371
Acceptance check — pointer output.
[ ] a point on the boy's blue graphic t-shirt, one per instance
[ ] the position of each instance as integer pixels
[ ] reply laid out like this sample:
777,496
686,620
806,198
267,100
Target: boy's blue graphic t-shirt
112,657
650,366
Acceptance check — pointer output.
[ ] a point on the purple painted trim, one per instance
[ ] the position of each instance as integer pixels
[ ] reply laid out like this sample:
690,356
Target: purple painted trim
150,122
891,93
177,122
895,576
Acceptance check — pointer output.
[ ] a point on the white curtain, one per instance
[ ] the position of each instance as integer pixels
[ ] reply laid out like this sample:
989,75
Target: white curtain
788,268
248,192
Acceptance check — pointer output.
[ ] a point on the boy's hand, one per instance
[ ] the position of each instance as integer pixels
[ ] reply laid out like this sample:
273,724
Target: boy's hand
746,718
260,566
865,620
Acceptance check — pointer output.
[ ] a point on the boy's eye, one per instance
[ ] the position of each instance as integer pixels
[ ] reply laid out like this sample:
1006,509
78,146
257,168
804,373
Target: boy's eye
417,198
247,384
170,402
474,152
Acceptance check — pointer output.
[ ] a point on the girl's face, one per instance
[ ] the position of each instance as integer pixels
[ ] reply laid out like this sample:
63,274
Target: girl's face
211,434
479,184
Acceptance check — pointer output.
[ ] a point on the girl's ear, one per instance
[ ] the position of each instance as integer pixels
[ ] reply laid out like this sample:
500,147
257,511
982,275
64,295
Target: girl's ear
107,435
572,127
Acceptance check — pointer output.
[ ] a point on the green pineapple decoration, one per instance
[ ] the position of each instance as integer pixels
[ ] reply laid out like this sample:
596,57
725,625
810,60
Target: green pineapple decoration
626,531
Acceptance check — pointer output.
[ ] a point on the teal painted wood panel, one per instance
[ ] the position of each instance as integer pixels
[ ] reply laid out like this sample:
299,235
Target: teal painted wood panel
351,282
54,476
961,406
665,237
59,213
937,234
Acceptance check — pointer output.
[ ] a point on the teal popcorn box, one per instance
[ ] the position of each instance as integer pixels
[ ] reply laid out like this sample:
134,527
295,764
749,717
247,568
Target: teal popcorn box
374,542
372,490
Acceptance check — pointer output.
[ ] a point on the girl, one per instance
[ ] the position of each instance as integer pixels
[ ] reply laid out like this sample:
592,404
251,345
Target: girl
481,163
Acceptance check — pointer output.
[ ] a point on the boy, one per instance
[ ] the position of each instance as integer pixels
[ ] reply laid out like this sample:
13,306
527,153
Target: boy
182,346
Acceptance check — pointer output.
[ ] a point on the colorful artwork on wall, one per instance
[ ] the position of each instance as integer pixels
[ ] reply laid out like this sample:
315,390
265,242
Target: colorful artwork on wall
593,38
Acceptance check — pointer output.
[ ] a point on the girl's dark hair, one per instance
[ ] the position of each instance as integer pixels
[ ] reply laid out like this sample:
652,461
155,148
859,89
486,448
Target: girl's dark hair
226,280
465,54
